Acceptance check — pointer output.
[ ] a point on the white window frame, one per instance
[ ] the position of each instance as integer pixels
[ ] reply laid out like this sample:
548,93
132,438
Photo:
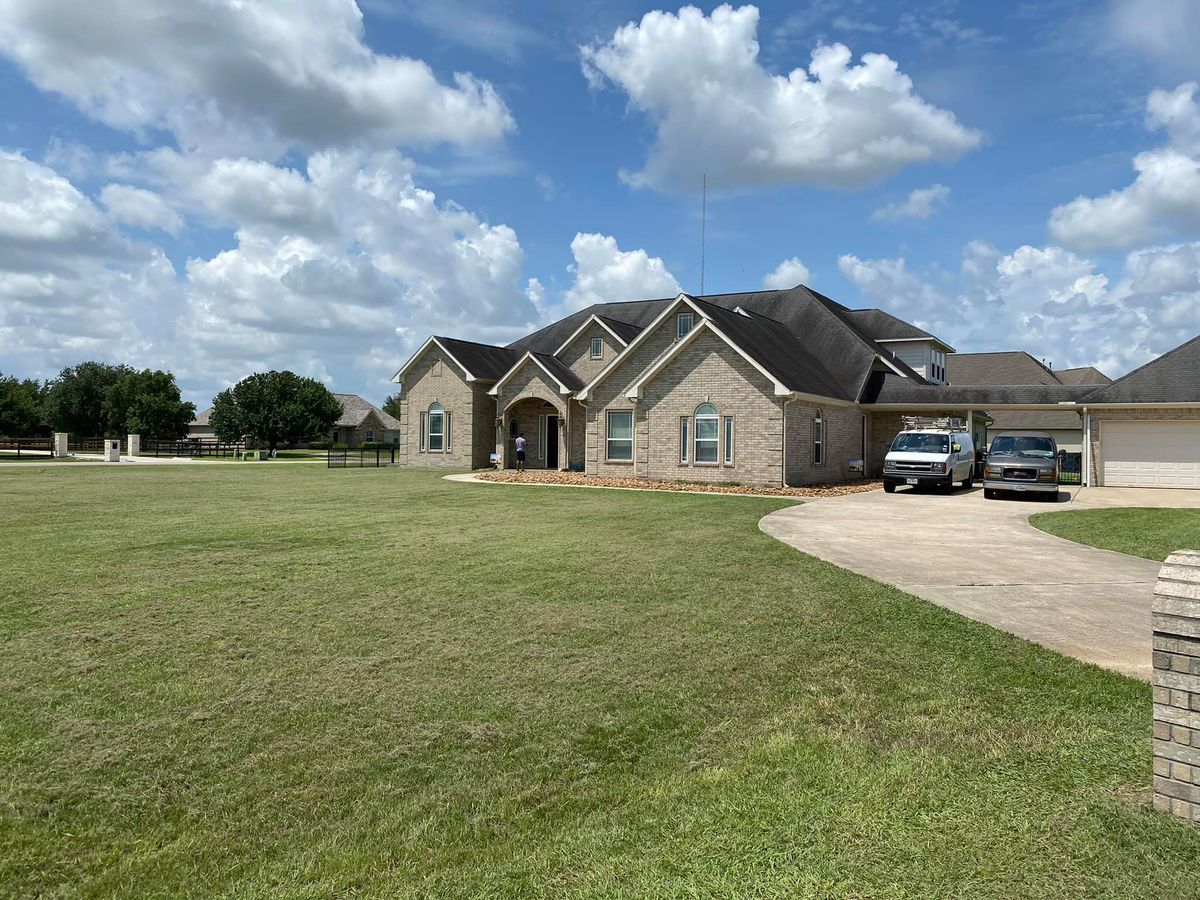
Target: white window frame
609,439
714,441
683,439
727,441
818,450
424,427
680,318
443,444
597,349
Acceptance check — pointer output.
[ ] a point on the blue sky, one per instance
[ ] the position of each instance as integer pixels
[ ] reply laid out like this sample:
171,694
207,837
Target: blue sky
217,189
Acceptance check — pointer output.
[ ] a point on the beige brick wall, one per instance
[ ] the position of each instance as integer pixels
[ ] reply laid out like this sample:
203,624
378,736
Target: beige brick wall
527,396
709,371
373,424
843,441
1175,619
1101,415
610,394
577,354
435,378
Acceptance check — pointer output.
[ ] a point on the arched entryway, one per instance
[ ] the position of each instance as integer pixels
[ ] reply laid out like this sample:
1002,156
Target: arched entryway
545,428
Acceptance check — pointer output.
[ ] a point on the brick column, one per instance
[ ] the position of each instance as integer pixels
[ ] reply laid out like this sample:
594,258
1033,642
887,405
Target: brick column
135,444
1176,623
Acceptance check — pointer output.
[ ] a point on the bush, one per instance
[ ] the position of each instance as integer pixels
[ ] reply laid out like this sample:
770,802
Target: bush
338,447
373,445
320,445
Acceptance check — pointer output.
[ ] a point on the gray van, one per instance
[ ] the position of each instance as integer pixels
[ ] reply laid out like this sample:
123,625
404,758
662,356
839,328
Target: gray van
1022,462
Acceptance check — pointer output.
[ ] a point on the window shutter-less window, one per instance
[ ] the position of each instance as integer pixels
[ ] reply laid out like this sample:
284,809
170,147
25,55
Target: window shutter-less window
683,438
424,429
446,443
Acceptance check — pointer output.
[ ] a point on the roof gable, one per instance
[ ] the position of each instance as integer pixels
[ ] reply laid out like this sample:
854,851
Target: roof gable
622,332
558,371
1082,375
1003,367
355,411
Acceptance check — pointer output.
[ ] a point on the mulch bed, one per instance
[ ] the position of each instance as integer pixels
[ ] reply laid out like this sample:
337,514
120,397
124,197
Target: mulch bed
576,478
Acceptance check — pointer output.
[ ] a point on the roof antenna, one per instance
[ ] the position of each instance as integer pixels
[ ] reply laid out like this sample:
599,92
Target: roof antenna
703,218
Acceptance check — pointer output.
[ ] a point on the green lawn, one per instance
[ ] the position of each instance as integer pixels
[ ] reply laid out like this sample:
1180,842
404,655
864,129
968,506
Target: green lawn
1152,533
293,682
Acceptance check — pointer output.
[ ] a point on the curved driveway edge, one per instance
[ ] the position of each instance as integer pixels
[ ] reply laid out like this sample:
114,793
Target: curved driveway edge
984,560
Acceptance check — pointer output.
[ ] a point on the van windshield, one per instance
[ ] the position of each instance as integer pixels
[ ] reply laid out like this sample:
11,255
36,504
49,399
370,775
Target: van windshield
912,442
1025,447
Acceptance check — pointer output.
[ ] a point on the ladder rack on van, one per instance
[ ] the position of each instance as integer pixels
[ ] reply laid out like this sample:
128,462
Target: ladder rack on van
924,423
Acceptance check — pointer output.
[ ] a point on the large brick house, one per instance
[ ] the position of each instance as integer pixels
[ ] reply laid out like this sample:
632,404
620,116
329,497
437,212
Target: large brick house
768,388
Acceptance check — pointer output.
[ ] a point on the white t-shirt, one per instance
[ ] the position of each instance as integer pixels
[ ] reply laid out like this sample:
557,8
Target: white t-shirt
520,443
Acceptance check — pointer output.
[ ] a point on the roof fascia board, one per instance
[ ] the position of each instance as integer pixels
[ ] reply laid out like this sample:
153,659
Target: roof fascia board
578,331
495,389
425,346
639,340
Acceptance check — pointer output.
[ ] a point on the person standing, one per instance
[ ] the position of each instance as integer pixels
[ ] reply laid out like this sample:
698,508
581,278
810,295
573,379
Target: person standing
520,442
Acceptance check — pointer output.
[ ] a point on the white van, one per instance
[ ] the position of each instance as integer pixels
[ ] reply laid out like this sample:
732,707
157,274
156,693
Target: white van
930,453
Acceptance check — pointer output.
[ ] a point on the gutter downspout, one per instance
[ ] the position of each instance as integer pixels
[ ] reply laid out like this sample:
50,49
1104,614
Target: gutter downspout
783,474
1086,480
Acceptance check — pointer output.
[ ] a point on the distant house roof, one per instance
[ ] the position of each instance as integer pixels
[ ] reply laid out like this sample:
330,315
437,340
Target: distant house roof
1082,375
1172,378
355,409
1004,367
202,418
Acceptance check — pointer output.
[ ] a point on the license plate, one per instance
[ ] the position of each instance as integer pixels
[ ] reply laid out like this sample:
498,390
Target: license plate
912,481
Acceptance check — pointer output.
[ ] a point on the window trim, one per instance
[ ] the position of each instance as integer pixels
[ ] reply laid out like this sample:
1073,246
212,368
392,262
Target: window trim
597,350
818,436
424,425
683,440
715,440
679,319
608,438
727,441
443,444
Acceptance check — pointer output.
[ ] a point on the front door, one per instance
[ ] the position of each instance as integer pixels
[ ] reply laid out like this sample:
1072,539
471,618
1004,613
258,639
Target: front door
551,442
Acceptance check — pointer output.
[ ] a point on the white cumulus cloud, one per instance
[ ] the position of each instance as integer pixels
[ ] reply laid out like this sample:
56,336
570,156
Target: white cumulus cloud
1165,196
228,77
920,204
605,273
787,274
140,208
718,111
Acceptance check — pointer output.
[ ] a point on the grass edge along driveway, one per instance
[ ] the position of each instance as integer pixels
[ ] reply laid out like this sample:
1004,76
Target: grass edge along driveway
1137,531
295,682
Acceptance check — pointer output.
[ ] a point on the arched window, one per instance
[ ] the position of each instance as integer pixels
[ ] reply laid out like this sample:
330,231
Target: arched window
437,428
514,428
706,433
818,439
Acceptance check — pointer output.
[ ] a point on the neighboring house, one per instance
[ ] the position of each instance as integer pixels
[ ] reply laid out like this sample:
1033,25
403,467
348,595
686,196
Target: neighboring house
768,387
200,429
1016,367
360,421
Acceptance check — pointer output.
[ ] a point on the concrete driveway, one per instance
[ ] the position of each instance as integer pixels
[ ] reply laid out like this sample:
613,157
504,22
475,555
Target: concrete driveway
983,559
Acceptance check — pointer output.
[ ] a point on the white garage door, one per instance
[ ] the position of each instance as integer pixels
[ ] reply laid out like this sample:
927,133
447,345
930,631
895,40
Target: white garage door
1151,454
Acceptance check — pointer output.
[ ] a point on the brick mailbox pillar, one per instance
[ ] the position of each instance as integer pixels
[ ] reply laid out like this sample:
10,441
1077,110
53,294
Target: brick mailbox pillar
1176,623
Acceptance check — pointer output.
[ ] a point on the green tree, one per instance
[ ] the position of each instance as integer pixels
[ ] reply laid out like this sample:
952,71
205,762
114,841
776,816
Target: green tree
75,399
391,406
274,408
22,408
147,403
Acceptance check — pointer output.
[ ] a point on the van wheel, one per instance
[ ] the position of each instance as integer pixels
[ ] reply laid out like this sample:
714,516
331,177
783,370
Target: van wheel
968,482
889,488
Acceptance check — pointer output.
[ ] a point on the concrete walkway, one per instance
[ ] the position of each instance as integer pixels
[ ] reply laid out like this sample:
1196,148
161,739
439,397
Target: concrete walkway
983,559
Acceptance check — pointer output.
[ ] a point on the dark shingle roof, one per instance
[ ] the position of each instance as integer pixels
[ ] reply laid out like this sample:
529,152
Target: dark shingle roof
624,330
560,370
1004,367
484,361
1172,378
890,389
1082,375
883,326
1035,420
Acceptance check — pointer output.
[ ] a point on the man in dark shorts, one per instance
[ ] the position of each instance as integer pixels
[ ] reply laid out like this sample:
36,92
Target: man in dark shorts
521,452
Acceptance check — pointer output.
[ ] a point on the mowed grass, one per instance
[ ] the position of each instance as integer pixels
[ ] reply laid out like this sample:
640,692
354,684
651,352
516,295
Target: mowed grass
295,682
1138,531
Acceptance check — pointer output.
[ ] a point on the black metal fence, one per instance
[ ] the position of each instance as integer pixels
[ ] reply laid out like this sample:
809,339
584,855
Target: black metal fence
86,444
1070,467
360,458
192,447
29,446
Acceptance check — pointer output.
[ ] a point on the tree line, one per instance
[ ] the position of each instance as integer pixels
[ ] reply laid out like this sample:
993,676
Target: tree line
95,399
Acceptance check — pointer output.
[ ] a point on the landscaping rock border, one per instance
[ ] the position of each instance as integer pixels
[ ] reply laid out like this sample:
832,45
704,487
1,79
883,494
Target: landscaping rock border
580,480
